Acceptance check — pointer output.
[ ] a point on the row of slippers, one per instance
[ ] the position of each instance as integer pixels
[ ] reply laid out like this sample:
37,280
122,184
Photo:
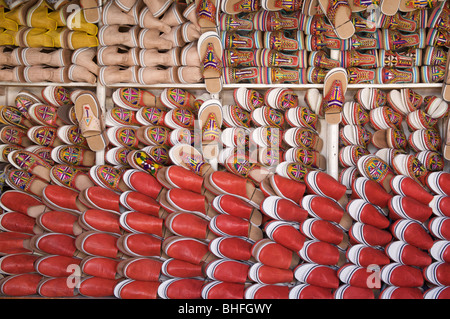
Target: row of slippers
283,211
311,279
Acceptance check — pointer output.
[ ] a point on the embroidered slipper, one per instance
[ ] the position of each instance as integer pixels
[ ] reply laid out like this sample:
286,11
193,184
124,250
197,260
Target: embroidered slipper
409,165
56,95
71,177
71,135
339,13
118,116
446,85
207,12
187,156
210,119
248,99
117,156
309,158
334,89
303,137
31,163
302,116
44,135
20,180
24,99
158,154
10,115
234,116
109,177
125,136
210,52
134,98
435,107
374,168
5,149
150,116
390,138
153,135
45,115
241,165
179,118
292,170
73,155
173,98
90,120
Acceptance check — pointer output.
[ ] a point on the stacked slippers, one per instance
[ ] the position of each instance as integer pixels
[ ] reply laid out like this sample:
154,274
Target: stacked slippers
398,46
144,43
41,40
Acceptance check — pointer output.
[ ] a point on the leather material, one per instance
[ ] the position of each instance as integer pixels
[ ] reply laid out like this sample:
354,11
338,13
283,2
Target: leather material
141,245
18,263
317,275
97,287
287,188
61,197
438,273
56,244
182,269
139,290
268,292
229,183
321,183
270,275
18,201
401,293
140,203
369,235
12,242
101,198
401,275
20,285
233,205
227,270
58,221
97,266
143,269
56,266
184,200
355,275
370,191
184,288
365,256
319,252
325,208
101,220
408,207
407,254
223,290
367,213
272,254
323,230
144,183
406,186
17,222
441,180
186,249
441,205
411,232
56,287
184,179
283,209
306,291
187,224
351,292
231,247
285,234
138,222
439,227
229,225
99,244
